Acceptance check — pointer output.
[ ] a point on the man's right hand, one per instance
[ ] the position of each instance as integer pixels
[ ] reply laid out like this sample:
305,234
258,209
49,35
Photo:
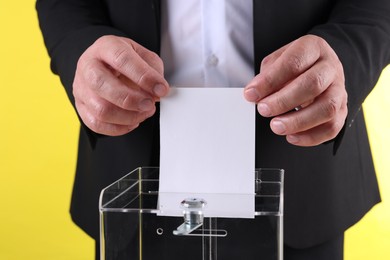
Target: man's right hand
116,85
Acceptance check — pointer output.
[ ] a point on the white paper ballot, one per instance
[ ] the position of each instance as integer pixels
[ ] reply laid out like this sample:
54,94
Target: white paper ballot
207,138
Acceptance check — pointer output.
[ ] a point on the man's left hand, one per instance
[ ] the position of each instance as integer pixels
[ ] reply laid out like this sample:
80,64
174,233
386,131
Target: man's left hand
302,87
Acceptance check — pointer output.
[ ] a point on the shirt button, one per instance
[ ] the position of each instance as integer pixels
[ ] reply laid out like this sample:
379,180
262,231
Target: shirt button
213,60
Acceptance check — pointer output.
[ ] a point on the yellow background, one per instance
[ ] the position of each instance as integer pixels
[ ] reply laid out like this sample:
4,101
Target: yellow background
38,143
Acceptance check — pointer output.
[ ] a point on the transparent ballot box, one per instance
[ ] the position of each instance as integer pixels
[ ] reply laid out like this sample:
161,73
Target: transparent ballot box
132,227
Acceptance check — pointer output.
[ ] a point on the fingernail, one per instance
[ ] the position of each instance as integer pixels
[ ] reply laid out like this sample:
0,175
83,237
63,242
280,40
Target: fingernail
263,109
294,139
145,105
159,90
251,94
278,127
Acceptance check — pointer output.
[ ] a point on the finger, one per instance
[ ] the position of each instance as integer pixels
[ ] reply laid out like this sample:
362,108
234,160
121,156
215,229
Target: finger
102,81
110,120
101,127
122,57
297,58
109,113
319,134
301,91
326,108
104,111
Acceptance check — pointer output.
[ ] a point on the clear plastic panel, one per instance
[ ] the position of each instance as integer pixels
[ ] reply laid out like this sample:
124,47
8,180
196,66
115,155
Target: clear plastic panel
131,227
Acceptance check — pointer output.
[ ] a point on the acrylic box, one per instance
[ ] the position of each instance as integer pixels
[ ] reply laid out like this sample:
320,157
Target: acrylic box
132,228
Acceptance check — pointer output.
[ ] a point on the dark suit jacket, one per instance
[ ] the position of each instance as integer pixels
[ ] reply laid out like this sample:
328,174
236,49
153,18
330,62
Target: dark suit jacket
328,188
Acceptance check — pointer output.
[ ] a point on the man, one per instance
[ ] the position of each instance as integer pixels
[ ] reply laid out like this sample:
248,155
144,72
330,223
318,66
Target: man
315,62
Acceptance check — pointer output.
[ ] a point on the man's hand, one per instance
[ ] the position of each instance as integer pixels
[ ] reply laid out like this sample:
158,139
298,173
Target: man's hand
116,85
302,86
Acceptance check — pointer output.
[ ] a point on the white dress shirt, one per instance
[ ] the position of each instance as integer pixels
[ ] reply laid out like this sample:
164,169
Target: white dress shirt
207,43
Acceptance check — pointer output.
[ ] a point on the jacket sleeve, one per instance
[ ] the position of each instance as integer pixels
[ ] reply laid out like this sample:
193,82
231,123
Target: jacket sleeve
359,32
69,27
